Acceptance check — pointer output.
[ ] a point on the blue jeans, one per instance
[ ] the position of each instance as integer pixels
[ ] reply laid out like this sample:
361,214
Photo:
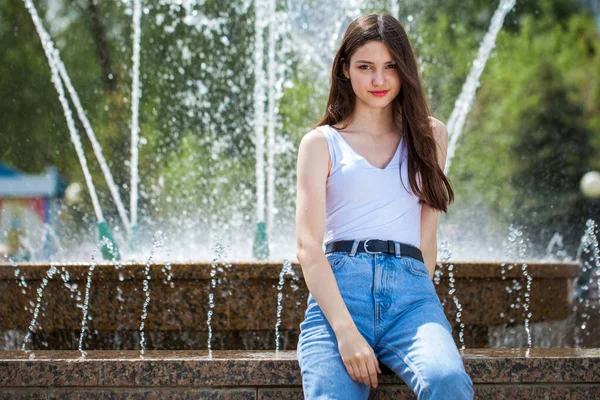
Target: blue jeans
394,305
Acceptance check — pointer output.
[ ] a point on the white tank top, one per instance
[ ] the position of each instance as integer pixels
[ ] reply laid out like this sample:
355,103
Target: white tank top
366,202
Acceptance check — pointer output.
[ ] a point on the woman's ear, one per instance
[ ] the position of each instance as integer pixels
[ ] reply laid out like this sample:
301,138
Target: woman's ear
345,68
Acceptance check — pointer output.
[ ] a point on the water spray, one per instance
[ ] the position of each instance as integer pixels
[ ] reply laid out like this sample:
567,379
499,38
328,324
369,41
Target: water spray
109,248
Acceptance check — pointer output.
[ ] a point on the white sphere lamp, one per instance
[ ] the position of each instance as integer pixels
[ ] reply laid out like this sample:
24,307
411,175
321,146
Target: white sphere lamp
590,185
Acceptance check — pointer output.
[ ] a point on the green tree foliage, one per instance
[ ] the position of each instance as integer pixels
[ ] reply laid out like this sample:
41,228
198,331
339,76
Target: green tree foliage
552,152
196,110
28,103
196,79
485,168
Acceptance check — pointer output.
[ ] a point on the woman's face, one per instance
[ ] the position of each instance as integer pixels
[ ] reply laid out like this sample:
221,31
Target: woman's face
372,71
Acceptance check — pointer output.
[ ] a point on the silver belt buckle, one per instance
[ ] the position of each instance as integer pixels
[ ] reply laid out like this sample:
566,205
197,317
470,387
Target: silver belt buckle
367,249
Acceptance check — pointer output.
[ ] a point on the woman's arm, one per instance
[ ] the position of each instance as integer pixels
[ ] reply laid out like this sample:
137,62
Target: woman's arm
312,171
429,220
313,166
429,216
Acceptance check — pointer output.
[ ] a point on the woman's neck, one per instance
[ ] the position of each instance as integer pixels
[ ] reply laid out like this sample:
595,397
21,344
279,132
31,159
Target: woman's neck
375,121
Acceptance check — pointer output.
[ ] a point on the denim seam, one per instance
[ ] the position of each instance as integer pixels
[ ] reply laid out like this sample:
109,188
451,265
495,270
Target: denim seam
408,362
449,327
375,320
377,310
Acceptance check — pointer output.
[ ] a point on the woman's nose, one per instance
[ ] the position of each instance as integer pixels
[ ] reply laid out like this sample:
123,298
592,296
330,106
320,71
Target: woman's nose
378,78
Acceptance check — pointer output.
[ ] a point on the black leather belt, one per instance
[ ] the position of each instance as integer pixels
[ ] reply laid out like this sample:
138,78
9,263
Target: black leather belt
375,246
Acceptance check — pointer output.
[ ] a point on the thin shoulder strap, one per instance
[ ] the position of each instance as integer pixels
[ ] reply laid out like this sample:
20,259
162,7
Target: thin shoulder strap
331,144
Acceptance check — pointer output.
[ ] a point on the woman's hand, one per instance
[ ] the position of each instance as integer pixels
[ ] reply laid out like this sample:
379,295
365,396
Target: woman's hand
358,357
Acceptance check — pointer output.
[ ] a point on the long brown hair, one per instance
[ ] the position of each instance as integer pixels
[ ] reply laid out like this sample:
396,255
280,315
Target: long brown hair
410,109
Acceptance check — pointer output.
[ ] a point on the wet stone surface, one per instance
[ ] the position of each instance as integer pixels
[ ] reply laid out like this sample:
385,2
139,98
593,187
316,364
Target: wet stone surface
508,373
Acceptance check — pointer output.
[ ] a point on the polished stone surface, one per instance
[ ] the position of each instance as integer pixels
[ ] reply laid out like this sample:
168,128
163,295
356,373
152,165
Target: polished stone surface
382,393
177,313
231,368
496,373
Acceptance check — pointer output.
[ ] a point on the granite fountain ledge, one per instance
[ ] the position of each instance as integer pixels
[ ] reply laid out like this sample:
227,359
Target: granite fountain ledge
496,373
257,269
177,313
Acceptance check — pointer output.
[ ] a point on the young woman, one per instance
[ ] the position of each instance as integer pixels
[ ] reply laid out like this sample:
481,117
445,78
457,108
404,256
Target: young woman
370,185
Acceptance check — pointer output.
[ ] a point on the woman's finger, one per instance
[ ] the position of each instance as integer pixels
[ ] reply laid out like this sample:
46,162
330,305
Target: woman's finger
350,370
376,362
374,372
364,373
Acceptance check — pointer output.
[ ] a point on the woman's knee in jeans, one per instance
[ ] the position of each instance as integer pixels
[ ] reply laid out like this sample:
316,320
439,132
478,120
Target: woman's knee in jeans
450,380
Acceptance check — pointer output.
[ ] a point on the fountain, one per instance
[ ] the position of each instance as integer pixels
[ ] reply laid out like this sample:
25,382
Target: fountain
117,327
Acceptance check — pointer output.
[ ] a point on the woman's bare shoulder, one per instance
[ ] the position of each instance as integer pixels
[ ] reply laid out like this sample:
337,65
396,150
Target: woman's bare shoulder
314,135
439,130
440,133
435,123
314,140
314,150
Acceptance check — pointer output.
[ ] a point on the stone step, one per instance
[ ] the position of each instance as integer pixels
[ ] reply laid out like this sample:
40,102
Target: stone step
496,373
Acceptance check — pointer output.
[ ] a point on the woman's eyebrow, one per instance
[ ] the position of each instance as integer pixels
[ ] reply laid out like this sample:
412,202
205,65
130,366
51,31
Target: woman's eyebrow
369,62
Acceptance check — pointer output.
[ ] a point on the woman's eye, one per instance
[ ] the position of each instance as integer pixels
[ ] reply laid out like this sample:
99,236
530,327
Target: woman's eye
364,67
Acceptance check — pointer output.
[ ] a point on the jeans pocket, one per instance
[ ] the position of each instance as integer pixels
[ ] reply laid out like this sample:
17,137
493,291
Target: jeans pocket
337,259
417,267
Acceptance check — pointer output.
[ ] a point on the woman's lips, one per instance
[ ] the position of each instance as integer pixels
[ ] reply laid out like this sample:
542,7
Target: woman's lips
379,93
